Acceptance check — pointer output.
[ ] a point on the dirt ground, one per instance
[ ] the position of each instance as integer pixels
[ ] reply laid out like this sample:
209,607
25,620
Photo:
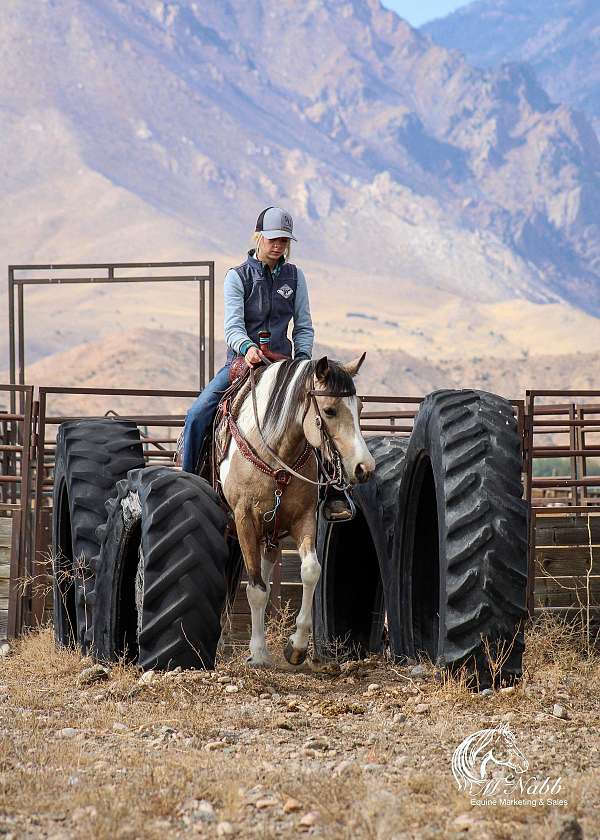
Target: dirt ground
350,751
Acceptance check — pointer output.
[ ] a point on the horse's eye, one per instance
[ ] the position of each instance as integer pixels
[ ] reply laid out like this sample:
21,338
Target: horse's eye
330,412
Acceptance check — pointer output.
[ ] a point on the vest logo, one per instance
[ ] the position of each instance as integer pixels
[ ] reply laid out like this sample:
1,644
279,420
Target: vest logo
285,292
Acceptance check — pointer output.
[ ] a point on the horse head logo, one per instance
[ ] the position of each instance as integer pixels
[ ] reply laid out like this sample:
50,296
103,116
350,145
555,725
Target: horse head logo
473,758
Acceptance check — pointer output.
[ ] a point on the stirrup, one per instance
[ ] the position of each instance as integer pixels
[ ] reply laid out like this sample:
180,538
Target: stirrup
346,508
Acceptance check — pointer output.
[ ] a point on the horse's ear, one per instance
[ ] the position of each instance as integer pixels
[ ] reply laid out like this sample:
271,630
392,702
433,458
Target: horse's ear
354,366
322,368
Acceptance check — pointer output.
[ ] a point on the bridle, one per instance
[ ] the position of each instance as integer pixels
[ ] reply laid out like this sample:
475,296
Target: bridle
326,453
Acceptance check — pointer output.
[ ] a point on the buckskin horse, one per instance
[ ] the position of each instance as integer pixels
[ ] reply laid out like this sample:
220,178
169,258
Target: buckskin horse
293,430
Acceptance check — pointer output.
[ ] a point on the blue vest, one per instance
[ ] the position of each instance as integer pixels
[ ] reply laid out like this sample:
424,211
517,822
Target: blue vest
268,302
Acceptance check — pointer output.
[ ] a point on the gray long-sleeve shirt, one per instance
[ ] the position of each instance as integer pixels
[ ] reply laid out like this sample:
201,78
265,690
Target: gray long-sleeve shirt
235,327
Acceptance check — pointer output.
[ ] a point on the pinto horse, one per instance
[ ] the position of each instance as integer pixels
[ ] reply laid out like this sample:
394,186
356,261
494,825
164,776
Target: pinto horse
269,476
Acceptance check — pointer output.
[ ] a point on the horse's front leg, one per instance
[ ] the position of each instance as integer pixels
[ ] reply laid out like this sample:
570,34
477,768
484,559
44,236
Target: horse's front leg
259,652
257,591
310,570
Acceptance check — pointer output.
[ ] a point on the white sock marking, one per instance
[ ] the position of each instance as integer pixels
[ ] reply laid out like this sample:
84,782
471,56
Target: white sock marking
258,600
310,571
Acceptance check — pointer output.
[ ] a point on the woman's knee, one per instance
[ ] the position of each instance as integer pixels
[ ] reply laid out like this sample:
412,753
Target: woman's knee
197,409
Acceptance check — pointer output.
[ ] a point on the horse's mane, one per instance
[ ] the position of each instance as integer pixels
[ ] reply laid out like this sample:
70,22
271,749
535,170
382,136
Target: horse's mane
465,757
467,754
288,392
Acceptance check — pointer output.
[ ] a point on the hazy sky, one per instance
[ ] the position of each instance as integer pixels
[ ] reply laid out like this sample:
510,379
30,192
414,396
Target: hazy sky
417,12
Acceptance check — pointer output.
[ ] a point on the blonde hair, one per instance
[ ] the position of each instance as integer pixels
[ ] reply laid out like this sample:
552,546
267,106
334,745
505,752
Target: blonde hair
257,238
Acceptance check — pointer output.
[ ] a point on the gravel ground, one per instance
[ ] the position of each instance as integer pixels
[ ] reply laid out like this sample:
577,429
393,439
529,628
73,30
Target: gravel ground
349,751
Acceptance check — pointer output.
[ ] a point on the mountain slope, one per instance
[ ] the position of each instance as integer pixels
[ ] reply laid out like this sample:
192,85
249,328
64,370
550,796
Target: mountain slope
560,39
387,149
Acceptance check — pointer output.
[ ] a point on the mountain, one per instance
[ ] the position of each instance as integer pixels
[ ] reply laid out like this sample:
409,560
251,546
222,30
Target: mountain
157,130
559,39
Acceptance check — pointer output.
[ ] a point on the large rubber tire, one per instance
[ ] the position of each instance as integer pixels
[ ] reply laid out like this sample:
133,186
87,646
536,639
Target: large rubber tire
161,572
357,570
461,540
91,456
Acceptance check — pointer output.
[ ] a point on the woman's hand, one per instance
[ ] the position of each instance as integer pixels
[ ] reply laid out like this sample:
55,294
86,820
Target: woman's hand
252,356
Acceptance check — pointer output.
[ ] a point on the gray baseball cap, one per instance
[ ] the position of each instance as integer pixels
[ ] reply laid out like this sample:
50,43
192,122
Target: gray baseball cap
274,222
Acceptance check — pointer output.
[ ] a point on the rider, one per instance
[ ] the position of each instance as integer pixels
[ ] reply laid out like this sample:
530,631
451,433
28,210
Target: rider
264,293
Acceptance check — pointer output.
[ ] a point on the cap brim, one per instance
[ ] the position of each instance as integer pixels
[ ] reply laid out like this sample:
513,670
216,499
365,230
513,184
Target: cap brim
275,234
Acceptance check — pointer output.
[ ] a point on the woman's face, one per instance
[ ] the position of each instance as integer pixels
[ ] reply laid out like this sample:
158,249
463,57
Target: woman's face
273,249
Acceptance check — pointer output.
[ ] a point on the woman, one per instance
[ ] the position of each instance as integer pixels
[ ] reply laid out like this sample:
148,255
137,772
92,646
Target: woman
265,293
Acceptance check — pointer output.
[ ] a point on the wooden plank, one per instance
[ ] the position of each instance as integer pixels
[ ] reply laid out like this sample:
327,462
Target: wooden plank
5,532
567,597
291,593
290,567
5,543
594,611
567,530
566,569
565,561
558,584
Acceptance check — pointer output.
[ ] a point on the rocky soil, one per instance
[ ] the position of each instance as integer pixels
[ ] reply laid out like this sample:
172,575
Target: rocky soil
349,751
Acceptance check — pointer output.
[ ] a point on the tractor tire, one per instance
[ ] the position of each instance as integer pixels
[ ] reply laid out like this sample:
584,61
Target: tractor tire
461,540
351,598
91,456
161,581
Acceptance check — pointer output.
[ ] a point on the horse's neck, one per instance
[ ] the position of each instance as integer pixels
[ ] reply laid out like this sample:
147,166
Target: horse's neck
291,446
292,442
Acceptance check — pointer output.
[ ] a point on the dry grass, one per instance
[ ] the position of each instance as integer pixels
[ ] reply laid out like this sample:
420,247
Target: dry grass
370,764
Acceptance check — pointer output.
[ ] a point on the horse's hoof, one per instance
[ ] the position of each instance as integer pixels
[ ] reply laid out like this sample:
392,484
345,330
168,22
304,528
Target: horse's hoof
260,662
294,656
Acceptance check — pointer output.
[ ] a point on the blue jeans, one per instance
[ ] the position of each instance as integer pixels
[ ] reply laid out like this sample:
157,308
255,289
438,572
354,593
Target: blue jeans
200,416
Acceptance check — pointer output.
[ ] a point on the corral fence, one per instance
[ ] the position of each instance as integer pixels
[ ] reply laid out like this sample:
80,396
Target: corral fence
561,428
558,428
159,434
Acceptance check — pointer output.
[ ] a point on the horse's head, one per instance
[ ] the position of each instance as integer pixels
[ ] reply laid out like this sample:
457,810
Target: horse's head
504,750
335,410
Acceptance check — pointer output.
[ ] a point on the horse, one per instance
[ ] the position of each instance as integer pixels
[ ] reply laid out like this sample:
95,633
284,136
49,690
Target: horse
269,477
471,758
